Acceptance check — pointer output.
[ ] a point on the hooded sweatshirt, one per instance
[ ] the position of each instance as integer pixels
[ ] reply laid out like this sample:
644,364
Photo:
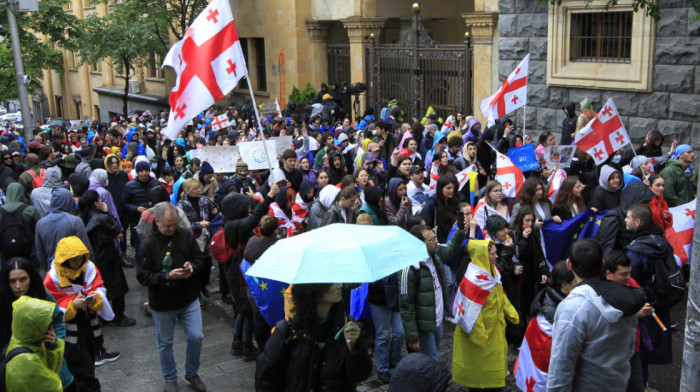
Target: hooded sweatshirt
38,370
593,337
326,198
437,138
41,197
59,223
568,125
605,197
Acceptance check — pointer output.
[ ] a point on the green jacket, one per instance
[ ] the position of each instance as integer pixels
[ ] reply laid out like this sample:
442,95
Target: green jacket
36,371
679,188
417,304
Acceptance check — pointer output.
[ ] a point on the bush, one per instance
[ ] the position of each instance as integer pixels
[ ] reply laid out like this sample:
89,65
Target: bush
303,97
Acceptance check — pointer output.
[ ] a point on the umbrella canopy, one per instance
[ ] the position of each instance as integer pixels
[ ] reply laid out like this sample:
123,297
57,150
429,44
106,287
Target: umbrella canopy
340,253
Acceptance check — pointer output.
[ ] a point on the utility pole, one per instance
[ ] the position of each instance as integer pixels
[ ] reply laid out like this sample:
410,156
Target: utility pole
690,371
22,79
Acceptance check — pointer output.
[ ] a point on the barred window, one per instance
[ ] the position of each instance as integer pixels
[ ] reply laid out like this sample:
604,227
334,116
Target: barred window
601,37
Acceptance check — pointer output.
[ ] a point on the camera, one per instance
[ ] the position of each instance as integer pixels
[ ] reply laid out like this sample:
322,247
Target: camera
355,88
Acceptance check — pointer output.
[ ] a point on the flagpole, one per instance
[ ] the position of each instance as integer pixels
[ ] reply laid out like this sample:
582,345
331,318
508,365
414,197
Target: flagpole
524,120
260,129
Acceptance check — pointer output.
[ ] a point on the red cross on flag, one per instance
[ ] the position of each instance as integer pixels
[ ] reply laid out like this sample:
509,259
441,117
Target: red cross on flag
208,62
219,122
510,96
680,235
509,175
532,365
279,110
475,287
603,135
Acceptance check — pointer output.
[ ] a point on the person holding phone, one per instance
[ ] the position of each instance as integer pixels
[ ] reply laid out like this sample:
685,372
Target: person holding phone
397,206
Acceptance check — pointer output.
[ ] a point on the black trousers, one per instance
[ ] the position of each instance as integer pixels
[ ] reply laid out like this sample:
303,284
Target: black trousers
81,362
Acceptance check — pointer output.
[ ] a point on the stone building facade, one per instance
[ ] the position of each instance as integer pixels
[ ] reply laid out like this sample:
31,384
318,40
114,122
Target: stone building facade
671,102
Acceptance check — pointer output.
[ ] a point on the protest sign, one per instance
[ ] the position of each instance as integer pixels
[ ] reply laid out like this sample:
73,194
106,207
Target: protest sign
524,157
269,109
253,153
283,143
558,157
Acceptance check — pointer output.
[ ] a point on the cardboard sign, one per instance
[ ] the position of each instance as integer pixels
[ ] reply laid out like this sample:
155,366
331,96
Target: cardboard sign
558,157
283,143
253,153
524,157
223,159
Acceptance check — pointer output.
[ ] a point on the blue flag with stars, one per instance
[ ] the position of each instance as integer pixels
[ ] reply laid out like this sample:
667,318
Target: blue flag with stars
558,237
268,295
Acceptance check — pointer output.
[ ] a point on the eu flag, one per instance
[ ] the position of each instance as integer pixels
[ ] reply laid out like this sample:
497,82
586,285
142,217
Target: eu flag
558,237
359,306
268,295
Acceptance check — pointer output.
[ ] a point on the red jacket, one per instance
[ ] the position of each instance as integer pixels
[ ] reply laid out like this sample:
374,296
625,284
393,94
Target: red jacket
658,205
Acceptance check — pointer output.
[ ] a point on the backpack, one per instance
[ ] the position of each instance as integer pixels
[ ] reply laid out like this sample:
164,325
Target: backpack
668,283
37,181
221,251
16,239
3,364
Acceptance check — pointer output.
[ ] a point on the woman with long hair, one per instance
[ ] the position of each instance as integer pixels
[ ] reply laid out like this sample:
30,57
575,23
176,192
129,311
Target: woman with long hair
362,181
442,209
659,208
102,228
321,179
18,277
569,201
282,210
444,166
532,194
528,251
401,169
318,349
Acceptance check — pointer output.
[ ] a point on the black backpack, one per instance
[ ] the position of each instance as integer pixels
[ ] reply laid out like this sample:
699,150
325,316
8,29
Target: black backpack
16,239
3,364
668,283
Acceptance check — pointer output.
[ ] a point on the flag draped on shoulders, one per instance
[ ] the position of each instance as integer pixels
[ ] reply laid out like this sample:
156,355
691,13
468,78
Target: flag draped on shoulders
532,365
680,235
475,287
208,62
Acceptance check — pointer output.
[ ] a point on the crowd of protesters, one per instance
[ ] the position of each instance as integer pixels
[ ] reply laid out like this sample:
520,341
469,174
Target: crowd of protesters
77,196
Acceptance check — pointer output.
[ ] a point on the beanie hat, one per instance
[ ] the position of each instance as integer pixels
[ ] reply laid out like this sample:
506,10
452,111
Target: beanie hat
638,161
241,165
681,149
142,165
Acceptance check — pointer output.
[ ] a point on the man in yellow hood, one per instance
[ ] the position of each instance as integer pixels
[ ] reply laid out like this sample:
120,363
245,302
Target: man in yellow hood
31,329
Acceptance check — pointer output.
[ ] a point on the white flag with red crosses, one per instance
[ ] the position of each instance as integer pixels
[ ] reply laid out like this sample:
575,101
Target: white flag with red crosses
509,175
603,135
219,122
680,235
208,62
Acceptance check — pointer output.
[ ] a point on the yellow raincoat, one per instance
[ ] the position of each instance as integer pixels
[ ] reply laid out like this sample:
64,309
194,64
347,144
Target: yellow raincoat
480,359
37,371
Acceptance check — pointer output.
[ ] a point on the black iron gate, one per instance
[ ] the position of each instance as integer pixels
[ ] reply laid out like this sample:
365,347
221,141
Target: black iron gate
419,72
339,69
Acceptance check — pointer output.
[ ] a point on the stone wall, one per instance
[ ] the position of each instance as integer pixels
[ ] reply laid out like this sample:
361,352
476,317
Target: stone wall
673,107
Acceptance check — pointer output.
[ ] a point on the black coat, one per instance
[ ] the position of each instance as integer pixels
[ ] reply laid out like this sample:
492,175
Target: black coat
603,199
137,194
115,187
294,361
164,294
531,256
102,228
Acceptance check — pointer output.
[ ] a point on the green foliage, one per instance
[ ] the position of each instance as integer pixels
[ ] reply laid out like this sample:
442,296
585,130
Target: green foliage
38,53
303,97
650,7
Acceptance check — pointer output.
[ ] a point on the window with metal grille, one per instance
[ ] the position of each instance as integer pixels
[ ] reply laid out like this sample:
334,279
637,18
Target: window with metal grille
601,37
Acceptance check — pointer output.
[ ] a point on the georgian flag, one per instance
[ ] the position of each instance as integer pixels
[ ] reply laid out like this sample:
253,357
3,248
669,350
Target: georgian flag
510,96
463,176
448,125
680,235
603,135
432,186
532,366
219,122
475,287
284,222
208,62
299,210
482,212
279,110
555,181
509,175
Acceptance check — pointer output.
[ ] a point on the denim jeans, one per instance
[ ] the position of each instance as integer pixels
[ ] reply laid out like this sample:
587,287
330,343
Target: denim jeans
389,338
191,319
243,325
430,342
